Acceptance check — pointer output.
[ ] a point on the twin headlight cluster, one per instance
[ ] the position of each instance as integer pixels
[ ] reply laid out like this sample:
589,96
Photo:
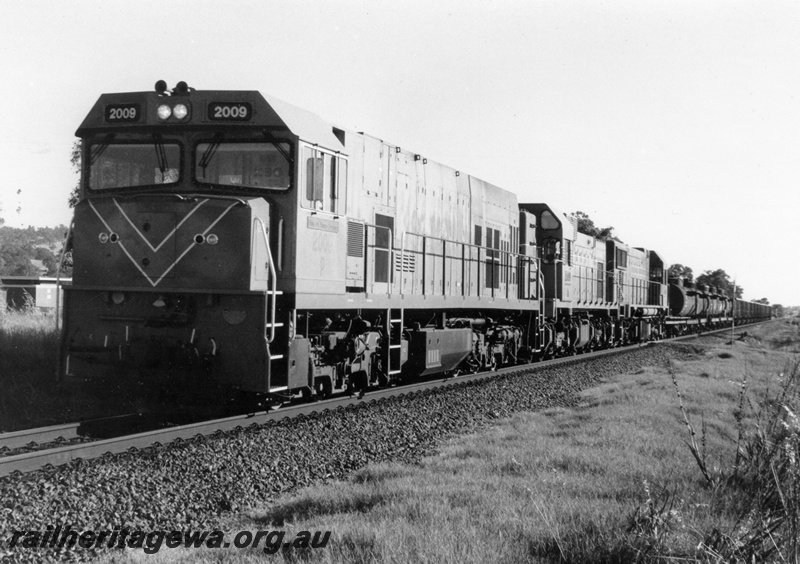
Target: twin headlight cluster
178,111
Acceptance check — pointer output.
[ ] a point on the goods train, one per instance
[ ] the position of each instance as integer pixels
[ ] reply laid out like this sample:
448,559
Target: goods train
232,238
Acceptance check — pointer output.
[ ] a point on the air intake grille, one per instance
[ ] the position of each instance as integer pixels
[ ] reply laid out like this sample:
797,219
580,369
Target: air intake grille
355,239
405,262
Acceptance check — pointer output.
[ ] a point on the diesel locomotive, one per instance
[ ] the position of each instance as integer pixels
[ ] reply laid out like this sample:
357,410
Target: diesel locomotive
232,238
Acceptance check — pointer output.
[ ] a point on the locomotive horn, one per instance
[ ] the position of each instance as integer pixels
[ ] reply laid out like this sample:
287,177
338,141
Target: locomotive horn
181,88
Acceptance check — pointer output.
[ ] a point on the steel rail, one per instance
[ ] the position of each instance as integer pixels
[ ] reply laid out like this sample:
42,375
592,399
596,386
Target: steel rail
65,431
31,461
17,439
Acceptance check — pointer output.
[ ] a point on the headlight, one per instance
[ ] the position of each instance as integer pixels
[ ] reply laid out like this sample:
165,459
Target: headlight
212,239
103,237
180,111
164,111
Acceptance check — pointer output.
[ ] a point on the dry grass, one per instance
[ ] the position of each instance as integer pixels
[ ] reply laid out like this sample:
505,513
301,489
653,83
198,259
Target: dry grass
28,355
610,481
31,394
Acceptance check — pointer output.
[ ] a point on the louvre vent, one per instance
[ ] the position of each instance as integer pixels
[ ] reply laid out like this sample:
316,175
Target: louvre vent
405,262
355,239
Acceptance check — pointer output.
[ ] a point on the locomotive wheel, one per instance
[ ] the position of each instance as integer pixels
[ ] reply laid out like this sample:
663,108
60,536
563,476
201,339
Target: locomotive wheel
528,358
358,382
273,404
323,389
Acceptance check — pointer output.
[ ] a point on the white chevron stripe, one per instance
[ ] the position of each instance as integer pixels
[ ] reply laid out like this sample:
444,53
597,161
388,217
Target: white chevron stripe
121,246
189,248
155,250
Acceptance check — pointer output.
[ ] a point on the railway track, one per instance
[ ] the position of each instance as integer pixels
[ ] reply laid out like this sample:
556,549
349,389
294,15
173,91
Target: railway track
68,445
41,438
65,433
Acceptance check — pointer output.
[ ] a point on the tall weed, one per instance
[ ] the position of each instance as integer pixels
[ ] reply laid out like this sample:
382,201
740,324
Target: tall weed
761,489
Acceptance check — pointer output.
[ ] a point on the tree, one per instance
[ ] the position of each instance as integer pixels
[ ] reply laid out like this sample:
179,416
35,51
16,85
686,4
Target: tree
680,271
779,310
75,159
18,246
587,226
48,259
16,258
720,279
764,301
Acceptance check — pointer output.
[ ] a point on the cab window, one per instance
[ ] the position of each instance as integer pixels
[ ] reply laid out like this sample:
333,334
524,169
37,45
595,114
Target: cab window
325,182
549,221
244,164
129,165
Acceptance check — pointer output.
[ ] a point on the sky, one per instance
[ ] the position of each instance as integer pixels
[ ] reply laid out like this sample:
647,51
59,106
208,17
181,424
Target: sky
676,122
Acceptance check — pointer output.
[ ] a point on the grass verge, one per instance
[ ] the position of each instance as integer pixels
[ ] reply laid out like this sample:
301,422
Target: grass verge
30,394
28,353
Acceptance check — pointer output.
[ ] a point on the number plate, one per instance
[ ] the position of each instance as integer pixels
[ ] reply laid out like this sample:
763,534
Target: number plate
230,111
123,113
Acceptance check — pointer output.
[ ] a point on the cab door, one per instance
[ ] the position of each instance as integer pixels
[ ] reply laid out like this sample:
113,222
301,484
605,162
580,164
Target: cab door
380,237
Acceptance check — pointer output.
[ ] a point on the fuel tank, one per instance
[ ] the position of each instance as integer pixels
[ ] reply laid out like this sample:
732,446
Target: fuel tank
438,350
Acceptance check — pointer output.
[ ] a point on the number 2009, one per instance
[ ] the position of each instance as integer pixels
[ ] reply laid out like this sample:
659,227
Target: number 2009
222,112
122,113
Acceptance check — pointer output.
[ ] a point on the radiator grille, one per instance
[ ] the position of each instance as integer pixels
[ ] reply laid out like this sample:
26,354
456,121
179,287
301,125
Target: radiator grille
355,239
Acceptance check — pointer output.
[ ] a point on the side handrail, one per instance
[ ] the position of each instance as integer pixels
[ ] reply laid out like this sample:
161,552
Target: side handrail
540,287
509,255
273,277
58,272
58,301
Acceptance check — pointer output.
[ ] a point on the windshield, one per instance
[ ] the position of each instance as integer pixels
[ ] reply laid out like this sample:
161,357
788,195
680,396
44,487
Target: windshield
243,164
119,165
